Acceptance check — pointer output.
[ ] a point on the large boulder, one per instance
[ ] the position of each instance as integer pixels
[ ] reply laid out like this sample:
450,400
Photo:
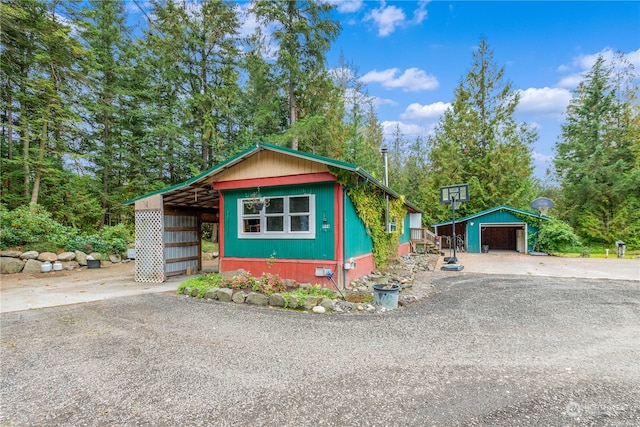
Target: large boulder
239,297
256,298
10,265
30,255
10,254
47,256
81,258
276,300
70,265
224,294
32,266
96,255
66,256
115,258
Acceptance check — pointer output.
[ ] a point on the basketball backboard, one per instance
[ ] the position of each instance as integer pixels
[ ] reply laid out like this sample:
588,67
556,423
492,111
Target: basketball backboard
459,192
542,204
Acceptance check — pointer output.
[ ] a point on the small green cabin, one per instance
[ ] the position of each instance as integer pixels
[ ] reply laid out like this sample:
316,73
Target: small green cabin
277,210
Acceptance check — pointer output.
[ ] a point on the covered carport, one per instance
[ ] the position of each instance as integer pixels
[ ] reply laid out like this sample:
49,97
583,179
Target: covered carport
169,228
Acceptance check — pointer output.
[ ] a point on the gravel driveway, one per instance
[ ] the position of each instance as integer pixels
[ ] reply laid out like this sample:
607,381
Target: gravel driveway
480,350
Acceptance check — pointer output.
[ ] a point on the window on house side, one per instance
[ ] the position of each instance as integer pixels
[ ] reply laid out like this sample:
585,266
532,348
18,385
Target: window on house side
287,217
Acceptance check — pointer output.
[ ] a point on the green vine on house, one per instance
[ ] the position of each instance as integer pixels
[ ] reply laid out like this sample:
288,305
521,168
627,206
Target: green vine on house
370,204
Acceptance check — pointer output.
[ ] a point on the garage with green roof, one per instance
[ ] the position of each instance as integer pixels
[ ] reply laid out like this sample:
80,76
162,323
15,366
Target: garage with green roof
503,228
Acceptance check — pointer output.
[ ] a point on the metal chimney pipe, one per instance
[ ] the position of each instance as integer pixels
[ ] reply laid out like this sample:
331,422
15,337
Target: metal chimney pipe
385,159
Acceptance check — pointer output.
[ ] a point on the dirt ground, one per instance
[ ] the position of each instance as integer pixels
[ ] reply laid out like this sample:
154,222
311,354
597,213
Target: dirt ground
29,291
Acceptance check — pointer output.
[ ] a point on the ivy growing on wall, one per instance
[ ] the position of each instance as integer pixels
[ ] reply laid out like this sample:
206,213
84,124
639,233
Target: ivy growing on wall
370,204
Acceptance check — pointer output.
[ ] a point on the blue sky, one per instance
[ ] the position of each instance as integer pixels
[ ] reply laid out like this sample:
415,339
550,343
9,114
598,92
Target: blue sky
411,55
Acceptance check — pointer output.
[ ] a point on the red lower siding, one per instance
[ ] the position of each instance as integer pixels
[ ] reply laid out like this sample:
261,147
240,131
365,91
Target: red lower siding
364,266
404,249
302,271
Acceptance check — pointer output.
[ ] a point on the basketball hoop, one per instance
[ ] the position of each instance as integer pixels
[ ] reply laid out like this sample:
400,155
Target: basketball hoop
454,195
542,204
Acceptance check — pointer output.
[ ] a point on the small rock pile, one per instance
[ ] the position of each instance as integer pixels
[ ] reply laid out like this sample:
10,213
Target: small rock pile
13,261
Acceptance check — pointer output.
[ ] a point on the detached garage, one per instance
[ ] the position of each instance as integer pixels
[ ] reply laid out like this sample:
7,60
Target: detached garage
501,228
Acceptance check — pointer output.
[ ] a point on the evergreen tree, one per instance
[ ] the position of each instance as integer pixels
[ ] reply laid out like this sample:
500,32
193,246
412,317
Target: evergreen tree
478,142
304,31
108,67
38,75
263,111
597,157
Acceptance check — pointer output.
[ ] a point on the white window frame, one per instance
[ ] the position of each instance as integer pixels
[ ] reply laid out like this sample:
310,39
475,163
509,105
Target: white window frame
287,233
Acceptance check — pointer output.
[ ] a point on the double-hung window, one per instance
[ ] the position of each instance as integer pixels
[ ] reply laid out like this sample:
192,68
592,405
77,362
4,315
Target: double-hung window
286,217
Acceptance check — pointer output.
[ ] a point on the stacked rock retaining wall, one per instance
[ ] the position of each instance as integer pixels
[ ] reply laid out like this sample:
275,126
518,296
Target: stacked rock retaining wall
12,261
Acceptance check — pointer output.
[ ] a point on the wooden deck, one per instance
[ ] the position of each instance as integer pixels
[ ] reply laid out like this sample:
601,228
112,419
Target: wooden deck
424,240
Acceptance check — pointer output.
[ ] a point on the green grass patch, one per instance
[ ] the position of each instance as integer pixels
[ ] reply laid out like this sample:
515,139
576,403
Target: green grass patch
201,283
303,293
209,247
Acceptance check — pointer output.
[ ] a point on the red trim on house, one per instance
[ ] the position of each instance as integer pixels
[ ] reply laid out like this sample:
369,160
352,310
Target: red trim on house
300,270
272,181
221,227
338,232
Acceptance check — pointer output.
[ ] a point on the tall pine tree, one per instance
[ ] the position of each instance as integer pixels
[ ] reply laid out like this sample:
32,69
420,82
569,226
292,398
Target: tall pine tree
479,142
597,160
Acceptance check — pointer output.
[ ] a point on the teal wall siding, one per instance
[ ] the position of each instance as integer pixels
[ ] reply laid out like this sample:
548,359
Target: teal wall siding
473,236
320,248
357,240
405,237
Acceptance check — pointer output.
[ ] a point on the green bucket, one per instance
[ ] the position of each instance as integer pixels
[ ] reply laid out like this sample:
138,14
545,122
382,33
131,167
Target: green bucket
386,295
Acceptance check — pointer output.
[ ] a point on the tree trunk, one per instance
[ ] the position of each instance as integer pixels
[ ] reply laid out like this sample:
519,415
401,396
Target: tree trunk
292,113
41,150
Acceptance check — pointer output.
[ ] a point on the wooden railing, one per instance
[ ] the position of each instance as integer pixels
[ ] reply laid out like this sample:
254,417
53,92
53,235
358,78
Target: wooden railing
423,237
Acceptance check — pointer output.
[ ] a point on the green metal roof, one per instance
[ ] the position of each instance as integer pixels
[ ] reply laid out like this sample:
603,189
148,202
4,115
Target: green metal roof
488,211
197,181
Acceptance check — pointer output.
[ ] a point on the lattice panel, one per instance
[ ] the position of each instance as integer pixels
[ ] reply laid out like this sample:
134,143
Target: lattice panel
149,247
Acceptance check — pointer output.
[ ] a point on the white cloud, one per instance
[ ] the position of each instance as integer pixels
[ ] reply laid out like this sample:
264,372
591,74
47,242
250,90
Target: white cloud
386,18
248,21
551,101
346,6
583,63
541,158
570,81
420,14
417,111
634,58
408,130
377,101
412,80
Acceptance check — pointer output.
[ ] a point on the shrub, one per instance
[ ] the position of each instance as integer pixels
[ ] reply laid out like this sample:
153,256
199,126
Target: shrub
557,236
29,224
95,243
